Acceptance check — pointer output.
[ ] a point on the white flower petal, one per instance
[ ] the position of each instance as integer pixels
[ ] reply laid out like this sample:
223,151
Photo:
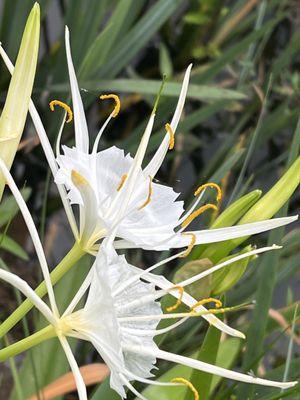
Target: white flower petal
213,369
33,233
81,130
81,388
23,286
154,165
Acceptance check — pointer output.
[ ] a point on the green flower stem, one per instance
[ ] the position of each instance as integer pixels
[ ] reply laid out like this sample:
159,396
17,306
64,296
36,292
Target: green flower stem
61,269
25,344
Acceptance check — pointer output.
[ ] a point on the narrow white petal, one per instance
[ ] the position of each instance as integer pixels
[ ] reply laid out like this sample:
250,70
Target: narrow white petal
81,388
33,233
47,149
232,260
233,232
81,130
154,165
215,235
23,286
212,369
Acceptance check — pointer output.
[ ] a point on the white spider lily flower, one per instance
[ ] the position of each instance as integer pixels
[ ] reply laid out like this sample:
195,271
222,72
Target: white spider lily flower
113,190
122,312
120,318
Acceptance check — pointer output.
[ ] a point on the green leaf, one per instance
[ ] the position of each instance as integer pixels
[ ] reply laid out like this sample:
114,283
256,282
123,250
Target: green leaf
208,353
269,262
8,244
171,89
138,36
102,45
9,207
104,391
234,51
228,351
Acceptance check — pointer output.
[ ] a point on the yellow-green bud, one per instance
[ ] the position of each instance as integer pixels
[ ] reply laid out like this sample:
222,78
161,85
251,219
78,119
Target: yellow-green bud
15,110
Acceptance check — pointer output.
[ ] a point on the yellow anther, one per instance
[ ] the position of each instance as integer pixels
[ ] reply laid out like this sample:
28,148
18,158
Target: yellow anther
172,136
117,102
217,302
188,384
211,185
198,212
122,181
78,179
150,191
179,300
191,245
65,106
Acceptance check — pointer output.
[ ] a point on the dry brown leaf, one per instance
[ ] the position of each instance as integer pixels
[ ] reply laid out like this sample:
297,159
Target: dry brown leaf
92,374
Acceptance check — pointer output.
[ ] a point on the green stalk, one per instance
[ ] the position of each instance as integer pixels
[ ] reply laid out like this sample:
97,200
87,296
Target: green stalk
25,344
61,269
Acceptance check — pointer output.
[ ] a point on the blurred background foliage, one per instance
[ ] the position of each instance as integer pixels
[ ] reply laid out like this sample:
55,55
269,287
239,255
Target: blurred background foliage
239,129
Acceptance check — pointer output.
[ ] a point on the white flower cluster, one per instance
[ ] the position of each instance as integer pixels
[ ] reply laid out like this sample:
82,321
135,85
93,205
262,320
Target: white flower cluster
122,207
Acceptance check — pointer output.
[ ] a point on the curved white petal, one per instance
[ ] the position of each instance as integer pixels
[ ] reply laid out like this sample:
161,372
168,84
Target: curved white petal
154,165
33,233
81,388
81,130
47,149
213,369
23,286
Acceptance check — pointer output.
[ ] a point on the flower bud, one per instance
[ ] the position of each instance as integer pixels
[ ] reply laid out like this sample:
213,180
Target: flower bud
15,110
